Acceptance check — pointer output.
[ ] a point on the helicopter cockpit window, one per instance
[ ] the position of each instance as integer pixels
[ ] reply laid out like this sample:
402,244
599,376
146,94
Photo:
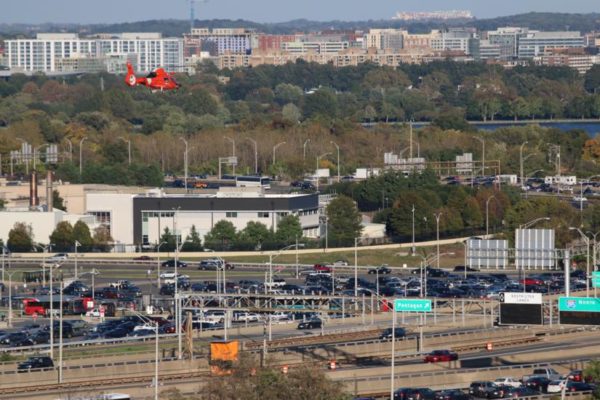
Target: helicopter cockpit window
152,75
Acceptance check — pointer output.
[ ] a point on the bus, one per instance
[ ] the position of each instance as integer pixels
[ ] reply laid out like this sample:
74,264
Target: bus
71,305
253,181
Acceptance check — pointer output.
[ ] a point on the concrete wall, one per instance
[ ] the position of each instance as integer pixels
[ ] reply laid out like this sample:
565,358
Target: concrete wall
120,207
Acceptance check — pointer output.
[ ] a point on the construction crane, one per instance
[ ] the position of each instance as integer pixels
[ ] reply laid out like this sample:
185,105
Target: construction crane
192,11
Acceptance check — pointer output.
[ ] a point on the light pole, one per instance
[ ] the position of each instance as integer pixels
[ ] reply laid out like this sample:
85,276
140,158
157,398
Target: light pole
318,165
10,274
176,295
81,155
307,141
487,214
521,160
275,148
128,148
158,264
52,267
587,245
274,256
77,244
482,154
355,268
413,248
255,154
185,163
232,149
338,159
437,224
45,250
594,252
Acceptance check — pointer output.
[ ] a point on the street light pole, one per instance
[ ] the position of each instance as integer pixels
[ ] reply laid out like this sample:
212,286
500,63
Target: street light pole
26,161
177,310
521,160
81,155
413,248
487,214
185,163
232,150
338,159
77,244
128,148
255,154
437,223
275,148
10,274
158,264
304,148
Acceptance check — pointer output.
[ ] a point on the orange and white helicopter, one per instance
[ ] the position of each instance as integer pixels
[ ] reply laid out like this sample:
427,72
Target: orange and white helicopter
159,79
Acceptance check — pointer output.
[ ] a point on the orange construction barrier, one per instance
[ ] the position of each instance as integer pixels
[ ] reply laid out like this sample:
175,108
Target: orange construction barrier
284,369
489,346
332,365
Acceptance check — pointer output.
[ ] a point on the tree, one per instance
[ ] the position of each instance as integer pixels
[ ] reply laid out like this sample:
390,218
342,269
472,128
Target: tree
344,221
81,233
291,114
253,236
20,238
168,240
322,103
62,237
102,238
221,236
288,229
57,201
192,241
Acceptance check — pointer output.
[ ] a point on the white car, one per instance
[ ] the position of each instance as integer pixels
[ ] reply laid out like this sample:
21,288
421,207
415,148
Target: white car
246,317
340,263
280,316
556,386
167,275
508,381
145,327
59,257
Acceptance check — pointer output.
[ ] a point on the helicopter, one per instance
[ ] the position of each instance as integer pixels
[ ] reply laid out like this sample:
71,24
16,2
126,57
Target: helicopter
159,79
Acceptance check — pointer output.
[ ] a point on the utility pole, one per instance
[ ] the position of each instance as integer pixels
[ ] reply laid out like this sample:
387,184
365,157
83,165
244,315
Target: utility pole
255,154
81,155
128,148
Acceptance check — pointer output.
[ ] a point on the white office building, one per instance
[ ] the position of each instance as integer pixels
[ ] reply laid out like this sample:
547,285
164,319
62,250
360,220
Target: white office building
537,43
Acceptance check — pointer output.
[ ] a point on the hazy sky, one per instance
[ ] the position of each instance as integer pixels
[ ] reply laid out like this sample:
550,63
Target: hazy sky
107,11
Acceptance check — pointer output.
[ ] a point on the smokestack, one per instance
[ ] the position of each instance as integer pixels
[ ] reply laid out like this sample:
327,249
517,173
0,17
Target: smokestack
49,192
33,190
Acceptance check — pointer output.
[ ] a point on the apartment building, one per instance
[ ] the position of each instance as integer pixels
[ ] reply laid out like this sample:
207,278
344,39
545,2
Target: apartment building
537,43
67,52
384,39
221,41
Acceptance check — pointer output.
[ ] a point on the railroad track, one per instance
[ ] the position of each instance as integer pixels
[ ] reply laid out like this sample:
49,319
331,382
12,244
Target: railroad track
95,383
316,339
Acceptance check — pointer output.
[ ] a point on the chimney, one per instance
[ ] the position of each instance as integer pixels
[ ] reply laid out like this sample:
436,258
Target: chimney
49,191
33,190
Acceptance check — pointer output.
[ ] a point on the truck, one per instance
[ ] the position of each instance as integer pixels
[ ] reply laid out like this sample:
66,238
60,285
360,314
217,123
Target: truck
549,373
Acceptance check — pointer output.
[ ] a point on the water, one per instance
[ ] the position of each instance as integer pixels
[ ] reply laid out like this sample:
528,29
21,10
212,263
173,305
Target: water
591,127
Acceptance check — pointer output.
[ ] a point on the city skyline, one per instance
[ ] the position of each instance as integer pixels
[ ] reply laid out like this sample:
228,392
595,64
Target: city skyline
112,11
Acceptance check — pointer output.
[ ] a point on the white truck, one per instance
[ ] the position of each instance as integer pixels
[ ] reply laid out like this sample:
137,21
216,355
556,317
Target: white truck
549,373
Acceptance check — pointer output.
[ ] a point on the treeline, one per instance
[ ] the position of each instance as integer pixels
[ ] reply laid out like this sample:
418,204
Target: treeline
94,116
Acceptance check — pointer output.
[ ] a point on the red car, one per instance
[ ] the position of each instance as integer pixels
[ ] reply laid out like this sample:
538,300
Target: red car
322,268
532,282
440,355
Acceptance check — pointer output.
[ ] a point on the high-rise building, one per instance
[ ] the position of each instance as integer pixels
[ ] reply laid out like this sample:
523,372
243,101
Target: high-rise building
454,40
384,39
508,40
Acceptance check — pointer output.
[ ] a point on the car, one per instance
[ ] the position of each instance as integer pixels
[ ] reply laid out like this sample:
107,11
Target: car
143,258
481,388
579,387
11,338
214,264
440,355
383,269
241,316
420,394
538,383
452,394
280,316
463,268
171,263
520,392
311,324
41,337
556,386
508,381
35,363
340,263
386,334
58,257
322,268
575,375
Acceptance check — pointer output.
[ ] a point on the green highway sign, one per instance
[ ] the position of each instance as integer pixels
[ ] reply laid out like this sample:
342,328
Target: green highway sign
412,305
596,279
579,304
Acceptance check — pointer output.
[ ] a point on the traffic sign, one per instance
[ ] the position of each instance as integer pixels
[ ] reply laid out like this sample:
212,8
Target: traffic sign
412,305
596,279
579,304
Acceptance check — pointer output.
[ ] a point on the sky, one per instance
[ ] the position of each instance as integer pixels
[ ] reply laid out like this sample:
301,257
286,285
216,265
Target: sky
110,11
